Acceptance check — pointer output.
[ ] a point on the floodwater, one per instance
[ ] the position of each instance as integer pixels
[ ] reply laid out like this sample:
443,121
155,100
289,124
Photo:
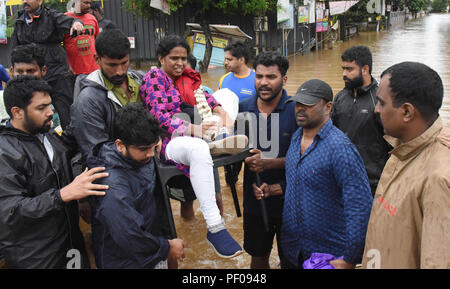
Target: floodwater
424,40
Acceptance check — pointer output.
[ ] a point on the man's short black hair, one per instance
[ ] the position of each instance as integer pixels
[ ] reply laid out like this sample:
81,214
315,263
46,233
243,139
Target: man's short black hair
270,58
112,43
361,55
239,49
134,125
19,91
417,84
28,53
169,42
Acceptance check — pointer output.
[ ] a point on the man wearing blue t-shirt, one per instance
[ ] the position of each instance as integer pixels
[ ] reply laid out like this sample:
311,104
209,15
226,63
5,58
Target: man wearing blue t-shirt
240,79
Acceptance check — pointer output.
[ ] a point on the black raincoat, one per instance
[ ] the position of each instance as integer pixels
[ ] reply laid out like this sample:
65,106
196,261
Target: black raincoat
37,229
356,118
47,31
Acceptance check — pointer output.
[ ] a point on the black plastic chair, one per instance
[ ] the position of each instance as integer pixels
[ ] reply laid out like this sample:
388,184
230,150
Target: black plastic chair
166,172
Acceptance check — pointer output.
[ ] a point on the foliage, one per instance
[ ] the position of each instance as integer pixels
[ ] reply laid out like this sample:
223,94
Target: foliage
141,8
57,5
398,5
440,5
358,13
415,6
245,7
9,26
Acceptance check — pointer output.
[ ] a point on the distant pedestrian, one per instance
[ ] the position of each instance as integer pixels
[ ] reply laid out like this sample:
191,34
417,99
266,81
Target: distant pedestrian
240,79
409,225
353,112
327,200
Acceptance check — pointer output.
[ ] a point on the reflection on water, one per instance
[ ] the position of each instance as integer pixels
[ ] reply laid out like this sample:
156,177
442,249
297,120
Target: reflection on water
425,40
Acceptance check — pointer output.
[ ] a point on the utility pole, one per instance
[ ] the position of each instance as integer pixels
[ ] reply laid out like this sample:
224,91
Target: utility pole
295,25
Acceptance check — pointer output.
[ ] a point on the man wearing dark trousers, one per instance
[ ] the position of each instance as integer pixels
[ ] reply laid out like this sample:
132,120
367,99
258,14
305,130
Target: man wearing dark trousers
272,122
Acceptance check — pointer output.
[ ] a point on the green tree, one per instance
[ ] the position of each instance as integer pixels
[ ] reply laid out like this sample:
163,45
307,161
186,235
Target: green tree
415,6
440,5
203,9
397,5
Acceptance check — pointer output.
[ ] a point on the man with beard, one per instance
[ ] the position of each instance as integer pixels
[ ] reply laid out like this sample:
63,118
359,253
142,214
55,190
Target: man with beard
353,112
327,200
272,122
104,91
240,79
47,27
128,225
38,208
29,59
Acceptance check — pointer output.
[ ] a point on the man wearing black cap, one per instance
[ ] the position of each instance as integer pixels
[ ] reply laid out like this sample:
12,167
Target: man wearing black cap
327,200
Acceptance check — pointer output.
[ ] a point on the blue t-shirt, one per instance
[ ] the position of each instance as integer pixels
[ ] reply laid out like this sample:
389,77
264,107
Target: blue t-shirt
244,87
272,136
4,76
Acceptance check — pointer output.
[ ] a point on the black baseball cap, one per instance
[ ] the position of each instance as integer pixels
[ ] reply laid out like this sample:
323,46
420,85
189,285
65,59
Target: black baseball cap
312,91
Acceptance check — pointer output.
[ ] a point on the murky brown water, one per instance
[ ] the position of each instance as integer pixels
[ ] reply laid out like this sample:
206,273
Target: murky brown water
424,40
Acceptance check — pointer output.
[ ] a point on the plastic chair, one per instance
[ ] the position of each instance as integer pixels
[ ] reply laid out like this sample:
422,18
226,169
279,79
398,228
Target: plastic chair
166,172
